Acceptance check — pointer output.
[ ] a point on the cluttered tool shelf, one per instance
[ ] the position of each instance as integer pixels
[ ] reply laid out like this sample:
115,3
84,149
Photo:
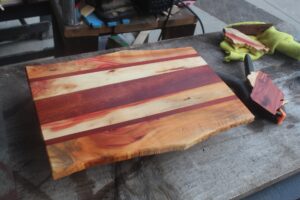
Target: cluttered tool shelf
138,23
81,38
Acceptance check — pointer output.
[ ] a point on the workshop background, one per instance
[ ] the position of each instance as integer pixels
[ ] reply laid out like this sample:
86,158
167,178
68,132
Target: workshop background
281,13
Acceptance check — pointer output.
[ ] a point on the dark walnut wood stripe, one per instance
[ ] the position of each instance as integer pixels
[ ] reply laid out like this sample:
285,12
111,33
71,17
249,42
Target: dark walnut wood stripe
92,100
101,68
148,118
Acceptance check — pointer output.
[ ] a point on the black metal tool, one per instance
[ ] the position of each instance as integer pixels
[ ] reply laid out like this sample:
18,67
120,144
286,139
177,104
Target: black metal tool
264,92
243,89
248,65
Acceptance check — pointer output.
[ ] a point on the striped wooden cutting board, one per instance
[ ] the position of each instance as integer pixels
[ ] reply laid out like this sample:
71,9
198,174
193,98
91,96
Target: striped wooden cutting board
131,103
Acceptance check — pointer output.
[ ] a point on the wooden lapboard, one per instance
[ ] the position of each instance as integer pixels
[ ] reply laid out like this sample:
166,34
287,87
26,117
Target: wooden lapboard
130,103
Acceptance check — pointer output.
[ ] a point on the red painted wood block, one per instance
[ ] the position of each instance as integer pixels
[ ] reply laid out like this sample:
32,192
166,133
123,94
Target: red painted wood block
131,103
266,94
240,39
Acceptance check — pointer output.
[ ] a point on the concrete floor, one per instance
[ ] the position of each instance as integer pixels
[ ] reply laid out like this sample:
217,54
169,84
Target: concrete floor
287,10
215,15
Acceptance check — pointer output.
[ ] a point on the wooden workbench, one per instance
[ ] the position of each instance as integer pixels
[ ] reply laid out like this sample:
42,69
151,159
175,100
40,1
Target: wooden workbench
81,38
233,164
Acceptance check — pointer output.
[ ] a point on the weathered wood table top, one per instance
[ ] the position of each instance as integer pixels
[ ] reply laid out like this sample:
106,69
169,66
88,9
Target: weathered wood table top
233,164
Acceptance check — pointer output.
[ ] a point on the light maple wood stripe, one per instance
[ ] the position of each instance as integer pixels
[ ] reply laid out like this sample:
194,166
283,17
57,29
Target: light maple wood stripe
59,86
104,61
179,131
112,67
134,121
136,110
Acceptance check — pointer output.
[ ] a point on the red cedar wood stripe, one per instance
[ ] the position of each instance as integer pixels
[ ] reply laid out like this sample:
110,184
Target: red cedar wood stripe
100,68
266,94
148,118
105,97
242,39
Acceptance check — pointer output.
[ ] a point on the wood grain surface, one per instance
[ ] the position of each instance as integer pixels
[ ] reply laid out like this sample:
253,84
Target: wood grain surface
266,93
127,104
240,39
